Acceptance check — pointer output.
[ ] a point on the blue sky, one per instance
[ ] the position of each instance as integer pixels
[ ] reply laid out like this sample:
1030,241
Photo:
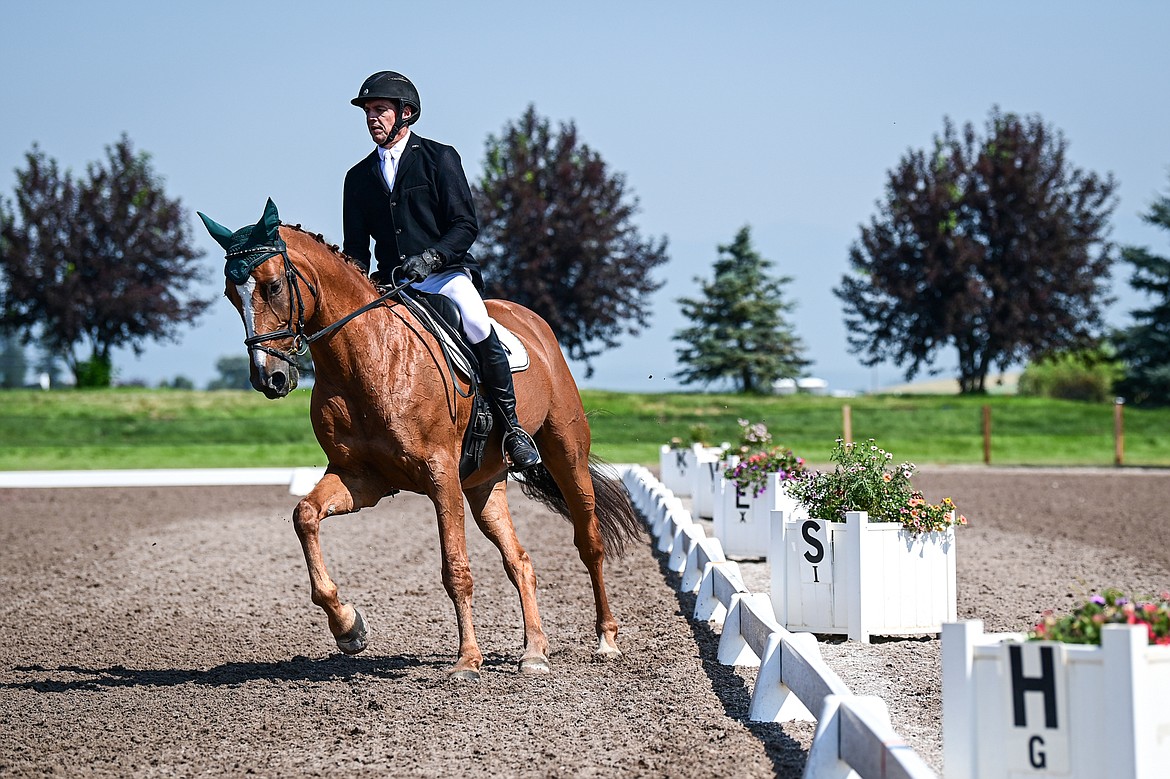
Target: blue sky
784,116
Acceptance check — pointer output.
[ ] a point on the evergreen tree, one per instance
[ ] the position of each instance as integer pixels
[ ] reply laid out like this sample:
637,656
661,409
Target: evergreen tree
739,331
557,235
992,244
104,261
1144,348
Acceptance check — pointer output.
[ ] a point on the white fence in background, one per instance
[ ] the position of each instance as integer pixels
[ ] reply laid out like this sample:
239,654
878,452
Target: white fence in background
299,480
853,736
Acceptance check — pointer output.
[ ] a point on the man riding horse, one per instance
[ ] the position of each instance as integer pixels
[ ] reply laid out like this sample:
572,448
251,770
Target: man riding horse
410,195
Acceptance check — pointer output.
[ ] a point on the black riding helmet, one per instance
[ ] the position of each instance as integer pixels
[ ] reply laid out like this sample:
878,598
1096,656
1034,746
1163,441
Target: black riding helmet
388,85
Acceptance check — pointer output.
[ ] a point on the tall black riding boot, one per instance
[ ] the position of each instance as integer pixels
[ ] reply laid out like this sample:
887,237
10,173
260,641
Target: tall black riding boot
496,379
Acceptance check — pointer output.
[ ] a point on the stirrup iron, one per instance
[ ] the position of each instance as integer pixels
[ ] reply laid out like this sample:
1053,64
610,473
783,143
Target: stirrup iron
521,433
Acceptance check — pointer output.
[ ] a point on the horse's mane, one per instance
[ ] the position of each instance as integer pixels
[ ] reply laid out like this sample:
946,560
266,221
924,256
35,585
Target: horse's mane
332,247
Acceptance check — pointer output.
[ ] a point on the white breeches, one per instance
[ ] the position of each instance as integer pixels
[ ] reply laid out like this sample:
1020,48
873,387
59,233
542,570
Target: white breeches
456,285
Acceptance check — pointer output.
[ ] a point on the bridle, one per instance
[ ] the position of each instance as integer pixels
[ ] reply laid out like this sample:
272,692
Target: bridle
240,265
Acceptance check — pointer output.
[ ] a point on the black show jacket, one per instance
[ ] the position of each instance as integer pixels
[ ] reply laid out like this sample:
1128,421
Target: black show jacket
431,207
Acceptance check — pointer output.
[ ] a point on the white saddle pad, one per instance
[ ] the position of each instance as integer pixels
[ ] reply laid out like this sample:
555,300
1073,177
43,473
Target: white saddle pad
517,353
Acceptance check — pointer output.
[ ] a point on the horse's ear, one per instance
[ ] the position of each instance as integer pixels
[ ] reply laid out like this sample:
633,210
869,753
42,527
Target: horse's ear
271,220
221,234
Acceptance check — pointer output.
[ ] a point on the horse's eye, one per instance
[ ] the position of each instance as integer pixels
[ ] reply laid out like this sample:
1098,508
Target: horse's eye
273,287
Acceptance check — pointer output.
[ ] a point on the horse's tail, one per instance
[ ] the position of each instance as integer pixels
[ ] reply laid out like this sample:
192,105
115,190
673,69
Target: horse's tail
611,503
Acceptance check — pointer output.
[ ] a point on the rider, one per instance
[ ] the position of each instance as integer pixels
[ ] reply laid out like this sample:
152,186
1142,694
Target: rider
411,196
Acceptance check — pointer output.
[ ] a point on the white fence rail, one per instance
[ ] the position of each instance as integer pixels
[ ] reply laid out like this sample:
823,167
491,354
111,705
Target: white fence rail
853,736
299,480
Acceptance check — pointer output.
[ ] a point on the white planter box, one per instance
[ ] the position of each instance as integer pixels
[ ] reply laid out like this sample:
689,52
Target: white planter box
705,480
861,578
743,520
1042,708
673,469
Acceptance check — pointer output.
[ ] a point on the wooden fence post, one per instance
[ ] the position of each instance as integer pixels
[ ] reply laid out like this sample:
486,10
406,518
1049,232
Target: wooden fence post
987,435
847,422
1118,431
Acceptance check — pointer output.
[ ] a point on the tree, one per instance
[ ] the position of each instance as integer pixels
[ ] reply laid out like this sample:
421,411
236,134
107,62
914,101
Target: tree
233,373
738,329
13,362
557,235
1144,348
993,244
105,260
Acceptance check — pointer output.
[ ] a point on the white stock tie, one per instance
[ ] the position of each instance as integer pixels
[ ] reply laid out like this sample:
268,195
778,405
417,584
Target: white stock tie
390,169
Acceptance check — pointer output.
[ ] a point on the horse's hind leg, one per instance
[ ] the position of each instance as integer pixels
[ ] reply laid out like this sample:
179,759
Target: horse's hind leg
565,449
330,496
489,506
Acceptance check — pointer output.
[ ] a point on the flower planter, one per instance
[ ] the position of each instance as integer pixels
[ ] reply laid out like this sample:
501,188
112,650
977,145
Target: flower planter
743,520
860,578
1043,708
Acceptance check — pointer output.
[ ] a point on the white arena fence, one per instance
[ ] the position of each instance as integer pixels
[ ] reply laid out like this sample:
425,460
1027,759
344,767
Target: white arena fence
854,736
299,480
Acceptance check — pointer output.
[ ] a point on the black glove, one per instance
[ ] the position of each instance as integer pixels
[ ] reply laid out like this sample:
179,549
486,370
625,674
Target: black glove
417,267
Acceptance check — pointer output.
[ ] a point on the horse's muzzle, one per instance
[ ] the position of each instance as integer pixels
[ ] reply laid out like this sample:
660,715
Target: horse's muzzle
277,382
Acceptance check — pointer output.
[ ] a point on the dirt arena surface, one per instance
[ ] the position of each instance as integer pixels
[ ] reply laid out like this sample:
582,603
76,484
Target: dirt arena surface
169,632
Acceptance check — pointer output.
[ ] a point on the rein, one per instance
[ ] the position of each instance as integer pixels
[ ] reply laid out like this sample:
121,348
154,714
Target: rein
247,261
296,331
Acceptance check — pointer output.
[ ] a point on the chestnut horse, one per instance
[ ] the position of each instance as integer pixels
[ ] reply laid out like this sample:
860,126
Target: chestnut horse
390,415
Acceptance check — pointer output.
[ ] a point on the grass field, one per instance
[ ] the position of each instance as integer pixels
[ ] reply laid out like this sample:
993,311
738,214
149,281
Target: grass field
136,428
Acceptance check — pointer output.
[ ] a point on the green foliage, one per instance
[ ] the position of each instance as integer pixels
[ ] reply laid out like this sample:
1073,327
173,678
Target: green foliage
993,244
1112,607
865,479
95,372
739,332
180,382
1145,346
104,260
557,235
233,373
1087,375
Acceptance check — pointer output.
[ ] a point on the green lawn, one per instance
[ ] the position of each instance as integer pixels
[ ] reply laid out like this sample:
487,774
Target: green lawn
136,428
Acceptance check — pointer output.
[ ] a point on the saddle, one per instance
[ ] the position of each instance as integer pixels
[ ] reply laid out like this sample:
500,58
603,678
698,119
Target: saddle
441,317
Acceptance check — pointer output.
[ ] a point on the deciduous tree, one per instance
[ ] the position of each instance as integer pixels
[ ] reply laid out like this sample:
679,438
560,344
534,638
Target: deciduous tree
104,261
993,244
738,330
557,235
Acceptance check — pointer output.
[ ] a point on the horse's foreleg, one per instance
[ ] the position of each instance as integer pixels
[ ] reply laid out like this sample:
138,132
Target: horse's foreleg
330,496
489,506
457,579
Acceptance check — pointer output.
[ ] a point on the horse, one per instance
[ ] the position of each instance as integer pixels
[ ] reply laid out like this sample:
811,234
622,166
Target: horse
390,415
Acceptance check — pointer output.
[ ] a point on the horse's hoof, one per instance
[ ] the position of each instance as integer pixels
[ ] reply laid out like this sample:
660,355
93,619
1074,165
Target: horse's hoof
354,640
464,675
534,666
606,650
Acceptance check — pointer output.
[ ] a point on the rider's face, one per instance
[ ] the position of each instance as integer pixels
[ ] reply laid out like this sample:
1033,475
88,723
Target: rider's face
380,118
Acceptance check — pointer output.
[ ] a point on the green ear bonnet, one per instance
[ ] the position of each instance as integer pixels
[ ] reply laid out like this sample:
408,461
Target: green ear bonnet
249,246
